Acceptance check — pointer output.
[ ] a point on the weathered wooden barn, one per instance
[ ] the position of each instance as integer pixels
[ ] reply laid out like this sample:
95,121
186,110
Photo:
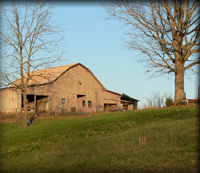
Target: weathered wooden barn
70,88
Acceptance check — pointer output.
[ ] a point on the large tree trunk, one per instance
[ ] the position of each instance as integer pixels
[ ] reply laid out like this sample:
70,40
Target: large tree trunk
179,83
25,102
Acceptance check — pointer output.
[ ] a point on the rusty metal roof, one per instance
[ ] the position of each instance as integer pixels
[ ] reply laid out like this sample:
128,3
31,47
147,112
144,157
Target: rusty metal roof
49,75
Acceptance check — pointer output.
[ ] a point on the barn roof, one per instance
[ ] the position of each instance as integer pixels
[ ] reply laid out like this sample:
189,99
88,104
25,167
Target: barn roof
127,98
112,92
50,75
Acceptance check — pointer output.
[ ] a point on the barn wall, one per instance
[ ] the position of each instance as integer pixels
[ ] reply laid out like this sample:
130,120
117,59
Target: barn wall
78,81
110,98
10,100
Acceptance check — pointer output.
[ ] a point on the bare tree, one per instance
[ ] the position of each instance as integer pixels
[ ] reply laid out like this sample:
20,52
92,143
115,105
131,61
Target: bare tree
29,41
157,100
165,32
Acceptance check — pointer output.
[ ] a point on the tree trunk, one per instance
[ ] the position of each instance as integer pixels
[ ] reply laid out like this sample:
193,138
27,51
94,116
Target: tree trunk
25,102
179,83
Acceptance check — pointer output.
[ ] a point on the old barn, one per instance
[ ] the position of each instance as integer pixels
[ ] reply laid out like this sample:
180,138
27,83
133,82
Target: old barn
70,88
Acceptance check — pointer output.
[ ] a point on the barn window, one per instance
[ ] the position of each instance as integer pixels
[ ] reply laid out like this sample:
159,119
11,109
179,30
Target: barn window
63,101
89,104
83,103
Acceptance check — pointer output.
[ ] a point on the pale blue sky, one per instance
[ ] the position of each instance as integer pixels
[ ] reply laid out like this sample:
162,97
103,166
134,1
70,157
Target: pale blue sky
97,43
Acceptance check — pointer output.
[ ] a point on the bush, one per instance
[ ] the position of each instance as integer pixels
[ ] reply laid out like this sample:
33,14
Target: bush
169,102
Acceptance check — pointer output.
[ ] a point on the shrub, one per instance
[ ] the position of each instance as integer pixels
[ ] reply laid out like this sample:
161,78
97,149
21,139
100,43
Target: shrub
169,102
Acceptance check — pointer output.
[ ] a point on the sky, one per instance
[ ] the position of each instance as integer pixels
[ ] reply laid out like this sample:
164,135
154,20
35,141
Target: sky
97,43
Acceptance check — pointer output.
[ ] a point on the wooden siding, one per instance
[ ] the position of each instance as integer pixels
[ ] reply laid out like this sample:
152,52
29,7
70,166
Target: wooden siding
74,86
10,100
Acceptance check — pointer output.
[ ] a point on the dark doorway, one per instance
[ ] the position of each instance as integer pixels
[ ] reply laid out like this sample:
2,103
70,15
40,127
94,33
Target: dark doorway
78,95
81,103
41,102
109,107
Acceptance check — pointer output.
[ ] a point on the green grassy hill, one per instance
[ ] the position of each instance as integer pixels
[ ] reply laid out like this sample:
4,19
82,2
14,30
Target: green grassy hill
157,140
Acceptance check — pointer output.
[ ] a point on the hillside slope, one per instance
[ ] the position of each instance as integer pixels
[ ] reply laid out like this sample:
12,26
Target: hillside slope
159,140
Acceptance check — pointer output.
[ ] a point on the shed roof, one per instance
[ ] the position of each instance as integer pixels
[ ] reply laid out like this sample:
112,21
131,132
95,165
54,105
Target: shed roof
113,92
127,98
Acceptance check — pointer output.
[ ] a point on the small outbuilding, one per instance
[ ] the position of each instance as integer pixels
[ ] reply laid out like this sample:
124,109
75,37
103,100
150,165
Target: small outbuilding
128,103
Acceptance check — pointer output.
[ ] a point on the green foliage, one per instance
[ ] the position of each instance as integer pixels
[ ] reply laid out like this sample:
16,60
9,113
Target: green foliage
169,102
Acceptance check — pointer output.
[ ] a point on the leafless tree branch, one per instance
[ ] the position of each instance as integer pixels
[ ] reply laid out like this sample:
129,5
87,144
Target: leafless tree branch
167,33
29,40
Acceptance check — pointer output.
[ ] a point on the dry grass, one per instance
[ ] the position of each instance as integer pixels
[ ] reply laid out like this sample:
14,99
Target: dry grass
8,118
142,140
